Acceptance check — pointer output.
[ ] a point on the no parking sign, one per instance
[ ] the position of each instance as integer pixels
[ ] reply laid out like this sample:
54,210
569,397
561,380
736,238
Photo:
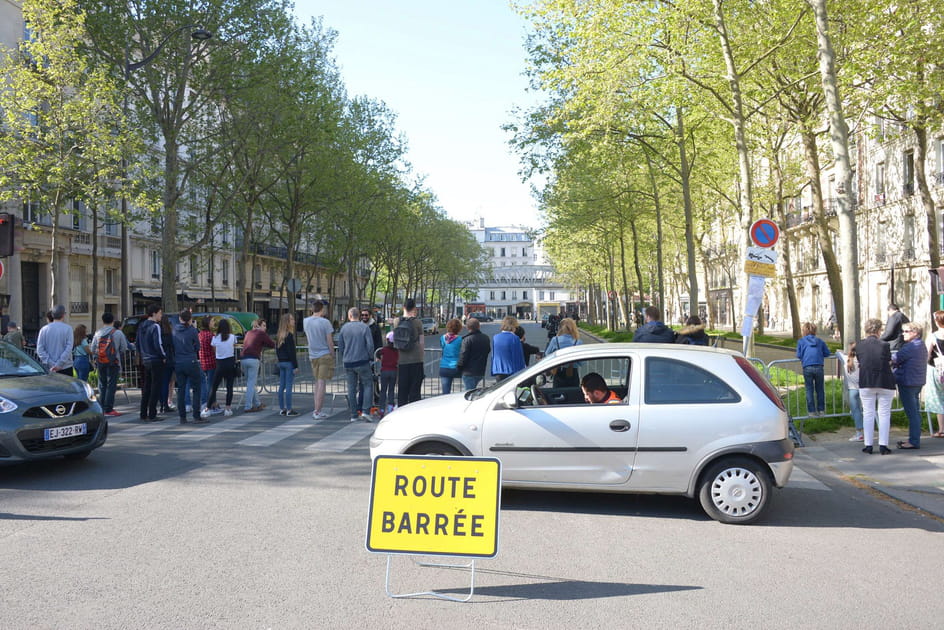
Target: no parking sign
764,233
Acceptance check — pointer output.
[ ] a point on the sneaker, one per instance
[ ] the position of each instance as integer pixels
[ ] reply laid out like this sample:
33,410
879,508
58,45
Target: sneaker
291,412
171,407
112,413
205,413
319,415
355,418
281,412
858,437
227,413
217,411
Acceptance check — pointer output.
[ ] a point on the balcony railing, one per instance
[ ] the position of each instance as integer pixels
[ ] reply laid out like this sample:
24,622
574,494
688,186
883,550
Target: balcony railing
78,307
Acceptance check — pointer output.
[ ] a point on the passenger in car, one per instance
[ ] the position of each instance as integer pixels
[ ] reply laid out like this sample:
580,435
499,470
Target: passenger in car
596,392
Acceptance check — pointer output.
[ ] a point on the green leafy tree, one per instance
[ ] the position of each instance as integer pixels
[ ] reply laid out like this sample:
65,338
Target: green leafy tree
63,134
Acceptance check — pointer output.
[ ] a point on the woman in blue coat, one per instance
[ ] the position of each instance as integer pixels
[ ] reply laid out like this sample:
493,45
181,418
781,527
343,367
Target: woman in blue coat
812,351
507,352
910,366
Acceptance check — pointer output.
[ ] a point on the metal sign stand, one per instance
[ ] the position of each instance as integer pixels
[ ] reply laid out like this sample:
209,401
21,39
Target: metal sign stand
470,565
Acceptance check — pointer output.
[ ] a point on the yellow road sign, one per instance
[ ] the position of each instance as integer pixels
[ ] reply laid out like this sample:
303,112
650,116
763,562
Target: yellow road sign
756,268
434,505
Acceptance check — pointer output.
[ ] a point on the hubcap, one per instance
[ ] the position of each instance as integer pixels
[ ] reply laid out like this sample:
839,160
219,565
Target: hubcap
736,491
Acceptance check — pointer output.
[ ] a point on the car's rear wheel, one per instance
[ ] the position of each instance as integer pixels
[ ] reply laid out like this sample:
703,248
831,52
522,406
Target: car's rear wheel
735,490
433,448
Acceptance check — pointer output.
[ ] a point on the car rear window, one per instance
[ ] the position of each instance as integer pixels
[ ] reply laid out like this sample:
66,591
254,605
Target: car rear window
674,382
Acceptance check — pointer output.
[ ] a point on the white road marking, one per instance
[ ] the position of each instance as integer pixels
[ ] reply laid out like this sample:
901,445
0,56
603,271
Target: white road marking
802,479
280,432
340,441
225,424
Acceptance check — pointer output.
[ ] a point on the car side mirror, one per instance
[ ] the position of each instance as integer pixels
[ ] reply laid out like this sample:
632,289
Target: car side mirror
508,401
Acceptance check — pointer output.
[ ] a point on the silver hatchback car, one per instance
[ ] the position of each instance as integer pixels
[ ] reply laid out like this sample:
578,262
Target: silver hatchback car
690,420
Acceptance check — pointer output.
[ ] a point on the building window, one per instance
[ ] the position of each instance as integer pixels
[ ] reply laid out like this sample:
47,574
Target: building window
224,270
939,149
880,183
524,251
552,296
514,295
908,173
503,252
491,295
524,295
503,296
76,208
155,264
110,283
541,295
880,129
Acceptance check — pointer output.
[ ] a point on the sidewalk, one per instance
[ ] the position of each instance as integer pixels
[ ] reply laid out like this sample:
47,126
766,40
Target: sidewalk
915,478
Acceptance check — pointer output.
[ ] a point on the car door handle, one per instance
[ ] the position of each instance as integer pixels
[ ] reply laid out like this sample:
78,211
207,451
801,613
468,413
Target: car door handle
620,425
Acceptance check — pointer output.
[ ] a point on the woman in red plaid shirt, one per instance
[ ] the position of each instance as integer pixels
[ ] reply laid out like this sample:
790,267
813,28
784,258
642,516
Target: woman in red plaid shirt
207,363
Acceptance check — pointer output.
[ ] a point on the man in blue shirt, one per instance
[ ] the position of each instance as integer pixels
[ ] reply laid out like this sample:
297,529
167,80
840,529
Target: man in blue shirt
356,349
151,349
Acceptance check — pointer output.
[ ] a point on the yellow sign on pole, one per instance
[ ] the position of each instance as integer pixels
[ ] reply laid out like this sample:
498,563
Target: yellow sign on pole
434,506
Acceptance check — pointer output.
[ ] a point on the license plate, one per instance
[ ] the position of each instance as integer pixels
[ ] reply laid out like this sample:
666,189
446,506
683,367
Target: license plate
57,433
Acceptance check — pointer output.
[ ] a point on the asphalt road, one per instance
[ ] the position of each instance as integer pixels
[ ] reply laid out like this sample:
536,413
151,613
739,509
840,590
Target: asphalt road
253,523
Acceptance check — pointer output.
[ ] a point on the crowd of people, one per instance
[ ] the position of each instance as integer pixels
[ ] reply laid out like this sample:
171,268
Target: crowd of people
194,360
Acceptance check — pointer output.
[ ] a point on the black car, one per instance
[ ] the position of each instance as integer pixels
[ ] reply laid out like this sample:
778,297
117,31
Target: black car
44,414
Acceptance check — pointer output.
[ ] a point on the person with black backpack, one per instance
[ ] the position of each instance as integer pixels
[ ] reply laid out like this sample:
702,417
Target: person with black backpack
408,339
108,345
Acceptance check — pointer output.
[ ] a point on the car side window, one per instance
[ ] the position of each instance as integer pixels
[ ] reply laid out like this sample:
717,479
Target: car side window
674,382
561,386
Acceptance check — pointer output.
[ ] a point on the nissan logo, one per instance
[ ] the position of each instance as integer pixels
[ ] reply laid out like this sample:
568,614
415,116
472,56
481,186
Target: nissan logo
60,410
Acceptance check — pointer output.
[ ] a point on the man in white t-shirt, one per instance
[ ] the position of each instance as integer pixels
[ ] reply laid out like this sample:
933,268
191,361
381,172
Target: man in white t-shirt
319,333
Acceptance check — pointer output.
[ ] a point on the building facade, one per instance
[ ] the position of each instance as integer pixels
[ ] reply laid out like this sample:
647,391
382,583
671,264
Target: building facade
521,280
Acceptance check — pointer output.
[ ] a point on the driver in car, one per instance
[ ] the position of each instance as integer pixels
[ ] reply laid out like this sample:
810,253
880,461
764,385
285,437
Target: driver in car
596,392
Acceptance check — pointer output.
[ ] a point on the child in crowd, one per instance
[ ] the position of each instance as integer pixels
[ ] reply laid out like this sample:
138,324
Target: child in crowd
389,357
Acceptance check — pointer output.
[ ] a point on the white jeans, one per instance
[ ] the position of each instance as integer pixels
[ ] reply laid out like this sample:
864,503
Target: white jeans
869,396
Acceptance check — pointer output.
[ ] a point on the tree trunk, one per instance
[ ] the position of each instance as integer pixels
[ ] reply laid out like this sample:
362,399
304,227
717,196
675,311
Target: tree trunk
745,180
821,222
927,202
169,231
839,134
685,172
93,309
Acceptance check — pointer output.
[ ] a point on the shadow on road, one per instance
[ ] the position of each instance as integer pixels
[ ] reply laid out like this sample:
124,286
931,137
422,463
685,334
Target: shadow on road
788,507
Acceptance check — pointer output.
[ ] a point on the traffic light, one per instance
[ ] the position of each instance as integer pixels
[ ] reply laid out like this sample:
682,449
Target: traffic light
6,234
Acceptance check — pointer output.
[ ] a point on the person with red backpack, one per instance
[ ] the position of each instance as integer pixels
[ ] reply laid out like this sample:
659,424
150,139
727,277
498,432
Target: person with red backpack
108,346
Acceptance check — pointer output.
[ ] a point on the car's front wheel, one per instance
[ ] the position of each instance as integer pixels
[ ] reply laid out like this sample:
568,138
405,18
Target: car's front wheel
735,490
433,448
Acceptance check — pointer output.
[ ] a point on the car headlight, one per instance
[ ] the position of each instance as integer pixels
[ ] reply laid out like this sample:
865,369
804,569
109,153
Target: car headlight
90,392
6,406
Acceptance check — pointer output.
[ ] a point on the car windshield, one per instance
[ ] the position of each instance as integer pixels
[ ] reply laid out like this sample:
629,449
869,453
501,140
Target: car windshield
15,362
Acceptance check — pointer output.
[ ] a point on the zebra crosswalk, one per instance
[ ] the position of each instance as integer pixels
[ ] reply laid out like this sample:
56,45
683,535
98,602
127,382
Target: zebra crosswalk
337,434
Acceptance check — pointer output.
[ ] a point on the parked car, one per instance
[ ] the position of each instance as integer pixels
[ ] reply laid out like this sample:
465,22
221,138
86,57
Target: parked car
430,325
694,421
44,415
482,317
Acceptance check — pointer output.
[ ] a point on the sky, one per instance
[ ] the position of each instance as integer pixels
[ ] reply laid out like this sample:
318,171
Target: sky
452,72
